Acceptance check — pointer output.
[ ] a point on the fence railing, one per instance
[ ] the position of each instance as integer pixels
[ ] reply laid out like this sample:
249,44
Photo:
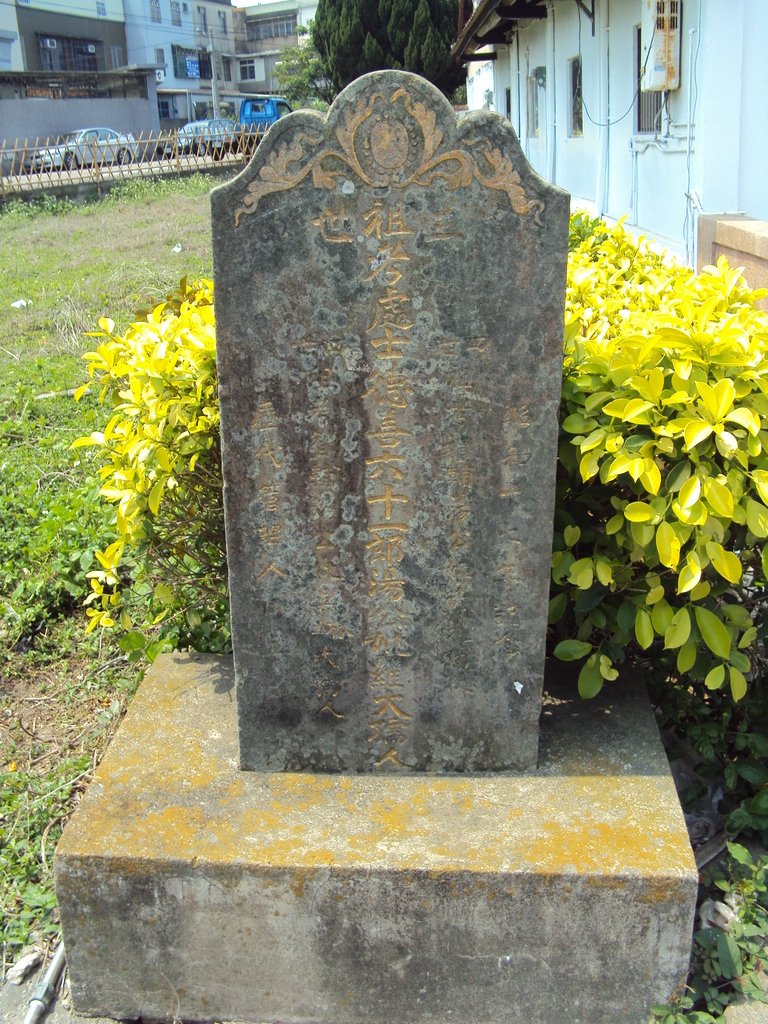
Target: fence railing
31,165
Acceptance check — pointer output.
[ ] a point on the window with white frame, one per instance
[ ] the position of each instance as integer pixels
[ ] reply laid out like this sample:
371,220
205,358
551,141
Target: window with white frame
101,8
202,20
575,102
247,71
176,12
155,12
272,28
159,55
223,23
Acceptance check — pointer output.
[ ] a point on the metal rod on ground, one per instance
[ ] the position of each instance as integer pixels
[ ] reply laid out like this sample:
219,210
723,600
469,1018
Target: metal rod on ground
42,994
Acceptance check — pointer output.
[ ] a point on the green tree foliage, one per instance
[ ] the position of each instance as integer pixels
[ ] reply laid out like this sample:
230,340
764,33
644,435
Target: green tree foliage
357,36
301,77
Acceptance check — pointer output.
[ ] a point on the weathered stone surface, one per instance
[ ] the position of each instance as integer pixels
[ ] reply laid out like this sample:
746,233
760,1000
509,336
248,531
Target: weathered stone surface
389,304
190,888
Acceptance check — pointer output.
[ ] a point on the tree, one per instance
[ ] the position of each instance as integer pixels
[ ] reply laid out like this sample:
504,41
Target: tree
353,37
302,78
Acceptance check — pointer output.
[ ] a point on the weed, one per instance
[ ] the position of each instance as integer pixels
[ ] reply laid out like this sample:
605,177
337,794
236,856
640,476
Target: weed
62,692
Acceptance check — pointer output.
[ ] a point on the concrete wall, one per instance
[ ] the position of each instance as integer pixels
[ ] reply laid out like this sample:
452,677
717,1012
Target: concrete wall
744,243
30,118
710,149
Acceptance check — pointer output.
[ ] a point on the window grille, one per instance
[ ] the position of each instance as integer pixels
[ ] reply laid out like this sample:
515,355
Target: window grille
648,106
576,104
537,83
272,28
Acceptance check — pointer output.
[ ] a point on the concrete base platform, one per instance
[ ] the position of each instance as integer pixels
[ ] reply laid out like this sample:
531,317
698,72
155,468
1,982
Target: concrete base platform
191,889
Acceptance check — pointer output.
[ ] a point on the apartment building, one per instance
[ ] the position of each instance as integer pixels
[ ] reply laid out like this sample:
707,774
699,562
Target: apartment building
264,31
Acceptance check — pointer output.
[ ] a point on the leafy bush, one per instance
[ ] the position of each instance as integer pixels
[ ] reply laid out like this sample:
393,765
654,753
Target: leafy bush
160,467
729,953
662,505
661,517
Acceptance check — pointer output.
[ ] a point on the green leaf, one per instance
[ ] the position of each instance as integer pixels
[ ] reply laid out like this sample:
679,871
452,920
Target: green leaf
643,628
738,683
639,512
719,498
590,679
759,802
572,650
739,853
678,630
726,563
155,495
690,574
757,518
163,594
686,657
661,617
667,545
715,677
731,965
132,642
571,535
557,607
696,432
678,475
714,632
577,423
614,524
582,573
689,492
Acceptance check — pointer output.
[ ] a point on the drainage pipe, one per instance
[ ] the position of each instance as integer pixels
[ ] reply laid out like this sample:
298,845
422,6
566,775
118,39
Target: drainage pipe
43,993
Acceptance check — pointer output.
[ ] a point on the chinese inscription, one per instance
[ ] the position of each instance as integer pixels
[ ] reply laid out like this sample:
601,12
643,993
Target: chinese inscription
389,310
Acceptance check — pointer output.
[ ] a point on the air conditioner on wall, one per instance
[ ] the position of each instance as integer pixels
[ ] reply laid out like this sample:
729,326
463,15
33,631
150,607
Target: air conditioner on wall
660,37
159,75
90,48
47,43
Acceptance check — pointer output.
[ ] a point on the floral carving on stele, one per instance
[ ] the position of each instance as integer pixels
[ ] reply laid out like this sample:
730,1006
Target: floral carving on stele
387,139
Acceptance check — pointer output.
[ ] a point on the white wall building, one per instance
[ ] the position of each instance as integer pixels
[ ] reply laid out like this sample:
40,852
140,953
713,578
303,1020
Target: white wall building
192,42
11,55
266,30
568,73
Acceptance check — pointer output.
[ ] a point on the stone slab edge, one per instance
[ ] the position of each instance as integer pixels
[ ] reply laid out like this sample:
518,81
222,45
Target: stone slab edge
189,887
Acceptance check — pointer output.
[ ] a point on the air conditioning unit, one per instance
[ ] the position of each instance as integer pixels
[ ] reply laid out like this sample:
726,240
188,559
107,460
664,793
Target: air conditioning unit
159,75
90,48
48,44
660,38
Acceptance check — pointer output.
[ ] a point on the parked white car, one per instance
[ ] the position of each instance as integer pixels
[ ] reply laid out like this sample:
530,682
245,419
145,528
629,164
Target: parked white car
216,136
87,147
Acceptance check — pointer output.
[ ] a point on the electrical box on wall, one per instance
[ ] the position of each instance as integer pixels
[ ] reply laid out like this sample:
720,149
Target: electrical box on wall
660,40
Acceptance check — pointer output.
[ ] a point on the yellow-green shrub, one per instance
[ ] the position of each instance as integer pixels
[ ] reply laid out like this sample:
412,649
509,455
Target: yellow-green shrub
661,520
160,467
662,506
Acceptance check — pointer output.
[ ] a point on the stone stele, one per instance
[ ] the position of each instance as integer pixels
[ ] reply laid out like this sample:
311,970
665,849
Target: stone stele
389,308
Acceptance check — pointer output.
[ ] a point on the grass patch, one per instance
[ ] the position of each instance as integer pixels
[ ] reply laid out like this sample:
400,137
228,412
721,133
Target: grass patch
62,692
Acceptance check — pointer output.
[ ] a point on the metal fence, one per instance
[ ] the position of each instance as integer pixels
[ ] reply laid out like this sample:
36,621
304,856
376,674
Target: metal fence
35,165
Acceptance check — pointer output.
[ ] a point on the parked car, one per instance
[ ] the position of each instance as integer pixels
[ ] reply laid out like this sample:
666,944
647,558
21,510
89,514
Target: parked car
216,135
89,146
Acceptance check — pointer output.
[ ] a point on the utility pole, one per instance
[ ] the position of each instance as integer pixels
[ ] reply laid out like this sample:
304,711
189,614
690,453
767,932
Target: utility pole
214,79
